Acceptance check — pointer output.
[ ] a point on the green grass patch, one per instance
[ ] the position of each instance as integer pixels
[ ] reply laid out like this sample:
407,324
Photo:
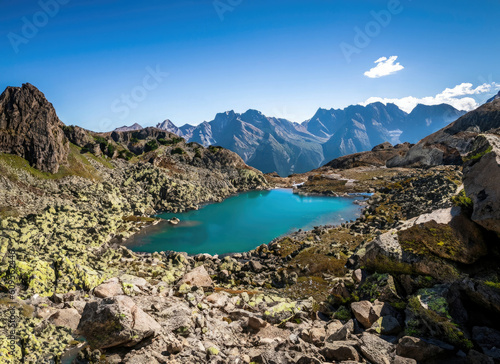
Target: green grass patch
151,145
138,219
495,285
472,157
465,203
171,141
177,151
101,160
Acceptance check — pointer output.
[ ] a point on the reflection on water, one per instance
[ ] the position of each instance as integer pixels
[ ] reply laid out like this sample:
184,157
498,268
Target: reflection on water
244,222
257,194
188,223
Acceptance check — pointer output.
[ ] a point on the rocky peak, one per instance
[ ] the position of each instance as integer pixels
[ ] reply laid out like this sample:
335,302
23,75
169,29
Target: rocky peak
223,119
30,128
496,97
169,126
128,128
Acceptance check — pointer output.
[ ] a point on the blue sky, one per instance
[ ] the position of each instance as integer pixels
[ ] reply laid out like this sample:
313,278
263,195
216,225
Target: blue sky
106,63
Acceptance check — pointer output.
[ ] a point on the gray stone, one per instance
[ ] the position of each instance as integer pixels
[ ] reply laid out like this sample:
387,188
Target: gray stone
386,325
110,288
67,317
419,349
256,323
376,349
197,277
488,339
481,181
341,334
116,321
401,360
364,313
340,351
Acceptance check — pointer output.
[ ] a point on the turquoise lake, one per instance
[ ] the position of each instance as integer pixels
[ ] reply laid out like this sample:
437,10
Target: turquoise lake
243,222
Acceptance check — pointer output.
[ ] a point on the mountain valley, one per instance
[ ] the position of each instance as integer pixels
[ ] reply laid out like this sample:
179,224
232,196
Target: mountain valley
414,279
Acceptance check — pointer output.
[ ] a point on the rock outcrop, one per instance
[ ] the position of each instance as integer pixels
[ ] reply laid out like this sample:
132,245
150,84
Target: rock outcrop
448,145
482,181
378,156
30,128
428,244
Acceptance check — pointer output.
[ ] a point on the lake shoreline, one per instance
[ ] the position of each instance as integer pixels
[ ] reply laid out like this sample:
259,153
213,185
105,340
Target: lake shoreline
342,210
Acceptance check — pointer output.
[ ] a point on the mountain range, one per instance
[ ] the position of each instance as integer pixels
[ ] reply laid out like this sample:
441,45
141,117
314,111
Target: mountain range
278,145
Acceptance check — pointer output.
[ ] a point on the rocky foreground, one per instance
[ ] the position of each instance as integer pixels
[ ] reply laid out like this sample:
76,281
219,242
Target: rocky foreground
414,280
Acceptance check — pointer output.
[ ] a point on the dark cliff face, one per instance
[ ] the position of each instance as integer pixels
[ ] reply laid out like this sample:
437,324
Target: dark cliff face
30,128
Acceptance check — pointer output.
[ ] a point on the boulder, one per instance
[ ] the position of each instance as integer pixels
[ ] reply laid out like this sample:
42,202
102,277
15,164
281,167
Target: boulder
256,323
401,360
115,321
420,350
110,288
133,280
336,333
376,349
308,360
340,351
333,326
364,313
488,339
386,325
197,277
445,234
482,295
359,275
475,357
67,317
256,266
315,335
481,181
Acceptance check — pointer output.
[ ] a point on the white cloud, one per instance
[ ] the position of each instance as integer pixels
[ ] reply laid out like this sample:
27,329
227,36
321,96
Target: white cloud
384,67
451,96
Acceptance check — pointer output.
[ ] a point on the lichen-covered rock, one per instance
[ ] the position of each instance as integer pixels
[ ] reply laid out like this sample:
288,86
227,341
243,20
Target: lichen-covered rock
421,350
424,245
428,315
386,325
116,321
